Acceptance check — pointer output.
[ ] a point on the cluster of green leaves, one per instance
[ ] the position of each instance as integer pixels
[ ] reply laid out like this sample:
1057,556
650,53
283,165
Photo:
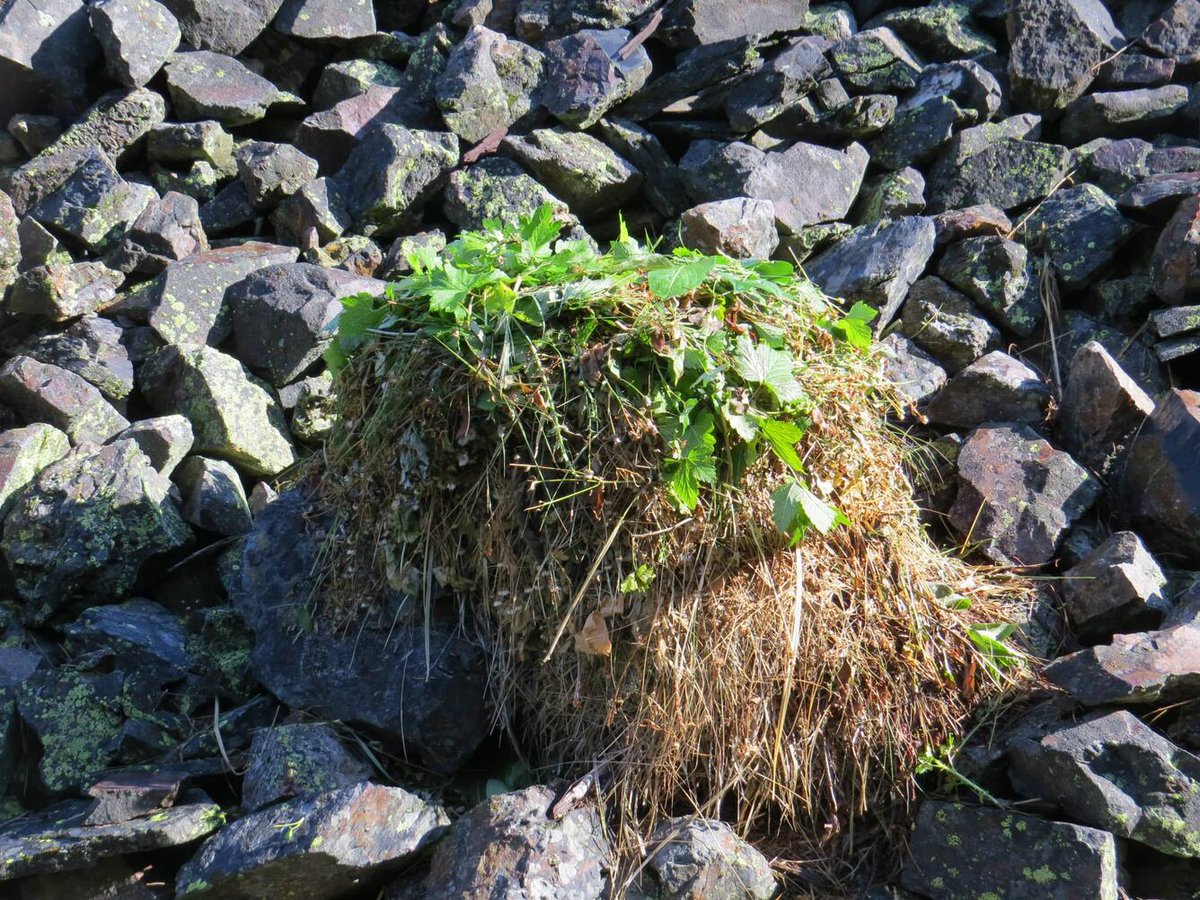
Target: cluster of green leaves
703,344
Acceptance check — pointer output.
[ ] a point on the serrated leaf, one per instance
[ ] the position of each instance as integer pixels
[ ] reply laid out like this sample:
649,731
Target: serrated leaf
820,515
775,269
744,427
541,228
783,437
773,369
860,311
795,509
672,281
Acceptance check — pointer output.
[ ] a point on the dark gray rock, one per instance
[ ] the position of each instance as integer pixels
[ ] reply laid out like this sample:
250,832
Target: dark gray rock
543,20
1176,263
351,78
298,761
137,36
94,207
969,851
313,213
47,393
944,322
1116,587
92,348
329,136
116,125
1160,480
940,31
24,452
60,292
695,70
1134,353
272,171
1171,322
186,142
165,440
774,90
1135,669
198,180
74,718
1155,197
33,133
994,388
1119,165
740,228
1120,113
282,314
701,22
326,20
875,61
890,196
46,48
585,77
876,264
577,168
917,133
323,846
220,26
168,230
1101,408
213,496
1134,70
995,273
691,856
10,241
1057,47
44,175
137,636
913,372
1176,33
489,83
229,209
497,188
1081,230
207,85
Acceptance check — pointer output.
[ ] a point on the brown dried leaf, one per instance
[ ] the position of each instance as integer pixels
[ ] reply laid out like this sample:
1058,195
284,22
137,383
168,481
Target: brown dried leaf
592,639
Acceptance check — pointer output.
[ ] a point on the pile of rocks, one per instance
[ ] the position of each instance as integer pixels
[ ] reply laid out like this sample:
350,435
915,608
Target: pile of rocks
188,188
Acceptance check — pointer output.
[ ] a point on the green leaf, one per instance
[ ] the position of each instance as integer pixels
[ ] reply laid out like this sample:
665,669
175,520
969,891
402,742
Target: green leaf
783,437
795,509
775,269
820,515
540,229
854,327
671,281
774,369
638,581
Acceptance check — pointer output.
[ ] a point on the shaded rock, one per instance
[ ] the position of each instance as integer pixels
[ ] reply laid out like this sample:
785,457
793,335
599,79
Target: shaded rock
875,60
577,168
775,89
1176,264
585,77
497,188
60,292
740,228
1156,197
973,221
10,241
44,175
1132,69
994,272
911,370
213,497
890,196
917,133
165,440
329,136
34,133
836,119
207,85
489,83
138,636
695,70
187,298
1057,47
1116,587
1148,668
198,180
47,393
220,26
230,208
281,315
969,851
701,856
352,77
272,171
24,452
1017,495
1160,482
351,253
315,210
234,416
1176,33
994,388
510,839
182,142
702,22
1081,229
971,87
39,844
167,230
1135,354
298,761
1122,112
323,846
1101,408
943,322
136,36
92,348
1119,165
46,47
94,207
326,19
104,880
115,125
538,20
876,263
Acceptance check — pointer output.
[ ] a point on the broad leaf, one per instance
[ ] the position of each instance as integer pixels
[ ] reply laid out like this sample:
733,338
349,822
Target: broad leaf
773,369
795,509
674,281
783,437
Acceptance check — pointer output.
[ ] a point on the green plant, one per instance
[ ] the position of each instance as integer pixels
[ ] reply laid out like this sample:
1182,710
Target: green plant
941,760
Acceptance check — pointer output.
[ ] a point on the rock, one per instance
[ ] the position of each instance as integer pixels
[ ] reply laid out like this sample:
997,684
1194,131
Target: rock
198,180
585,77
994,388
207,85
165,440
577,168
1116,587
1174,321
281,315
914,373
1017,495
94,207
541,20
1119,165
105,879
116,125
323,846
941,31
81,530
1113,772
217,25
351,78
974,221
1156,197
213,497
1101,408
329,136
351,253
10,241
314,210
1123,112
701,857
234,416
326,19
489,83
662,184
46,47
890,196
176,142
34,133
1081,230
775,89
1160,483
917,133
127,795
973,851
1057,47
740,228
876,263
391,173
994,272
187,299
47,393
702,22
1176,263
272,172
1176,33
298,761
168,230
229,209
497,188
1132,69
24,452
695,70
61,292
875,61
39,844
375,677
136,36
943,322
138,636
1135,669
92,348
510,839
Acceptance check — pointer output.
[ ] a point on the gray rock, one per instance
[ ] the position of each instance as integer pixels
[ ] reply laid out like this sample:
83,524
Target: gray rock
995,273
1160,482
44,175
577,168
1176,33
323,846
740,228
994,388
187,299
1017,495
1101,408
1120,113
112,877
220,26
47,393
198,180
691,857
165,440
136,636
272,171
60,292
497,188
1167,323
46,48
213,496
892,195
774,90
876,264
1135,70
702,22
1119,165
24,452
1175,266
1081,230
1135,669
82,529
326,20
298,761
10,241
136,36
542,20
207,85
917,133
1057,47
315,212
281,315
168,230
912,371
329,136
229,209
351,78
315,412
39,247
234,416
585,77
94,207
969,851
92,348
1116,587
1156,197
973,89
940,31
1135,354
944,322
185,142
489,83
875,61
116,124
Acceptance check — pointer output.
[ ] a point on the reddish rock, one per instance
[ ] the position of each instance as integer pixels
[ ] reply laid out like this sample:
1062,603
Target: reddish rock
1148,668
1101,407
1176,263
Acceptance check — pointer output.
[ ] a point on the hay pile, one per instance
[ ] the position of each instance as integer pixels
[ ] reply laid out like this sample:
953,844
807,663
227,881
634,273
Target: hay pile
514,429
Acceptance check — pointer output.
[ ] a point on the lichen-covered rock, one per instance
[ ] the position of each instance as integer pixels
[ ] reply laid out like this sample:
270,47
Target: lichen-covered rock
234,416
272,171
497,188
661,182
213,496
995,273
1081,230
875,60
24,452
775,89
207,85
1101,408
222,26
1056,48
1176,264
165,440
322,846
137,36
945,323
890,196
577,168
994,388
543,20
691,857
739,227
168,230
351,78
59,292
184,142
584,75
47,393
940,31
298,761
116,125
46,48
95,350
1118,113
489,83
325,20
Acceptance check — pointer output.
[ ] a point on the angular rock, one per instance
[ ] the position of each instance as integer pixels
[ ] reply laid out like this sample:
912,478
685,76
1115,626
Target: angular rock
1176,33
969,851
1101,408
24,452
1116,587
315,412
775,89
128,795
489,83
329,136
875,61
313,212
47,393
165,440
1176,263
917,133
229,209
326,20
92,348
994,272
1081,230
994,388
1160,481
1171,322
890,196
272,171
187,299
1057,47
176,142
497,188
876,264
281,315
351,253
138,636
10,241
1017,495
941,31
350,78
325,846
577,168
61,292
1119,165
221,26
94,207
912,371
234,416
943,322
585,77
198,180
1156,197
1133,70
137,36
46,47
543,20
213,496
207,85
1120,113
693,857
44,175
973,221
116,124
168,230
740,228
702,22
33,133
298,761
1135,669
